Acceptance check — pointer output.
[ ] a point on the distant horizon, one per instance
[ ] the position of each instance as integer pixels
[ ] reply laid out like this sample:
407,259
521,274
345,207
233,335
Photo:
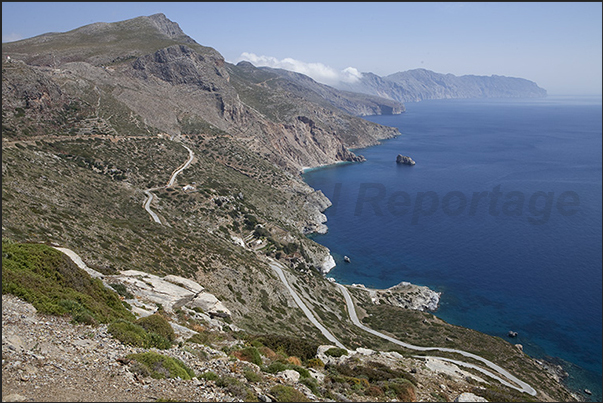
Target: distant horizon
556,45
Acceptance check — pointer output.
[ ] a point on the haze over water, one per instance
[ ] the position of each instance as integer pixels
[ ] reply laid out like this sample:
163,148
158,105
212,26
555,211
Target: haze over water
524,256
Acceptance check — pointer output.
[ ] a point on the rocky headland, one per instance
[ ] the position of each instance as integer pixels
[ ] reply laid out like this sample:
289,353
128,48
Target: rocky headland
405,295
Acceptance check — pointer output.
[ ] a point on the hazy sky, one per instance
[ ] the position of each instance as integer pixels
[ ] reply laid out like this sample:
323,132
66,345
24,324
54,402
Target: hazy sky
557,45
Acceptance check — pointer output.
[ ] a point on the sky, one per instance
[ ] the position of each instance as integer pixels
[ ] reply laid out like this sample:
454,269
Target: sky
557,45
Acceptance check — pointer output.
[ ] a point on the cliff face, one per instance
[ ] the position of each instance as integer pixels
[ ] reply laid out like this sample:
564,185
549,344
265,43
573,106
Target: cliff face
420,84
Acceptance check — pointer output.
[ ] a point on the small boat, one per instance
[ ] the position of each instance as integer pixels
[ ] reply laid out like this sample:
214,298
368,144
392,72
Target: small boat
346,259
588,392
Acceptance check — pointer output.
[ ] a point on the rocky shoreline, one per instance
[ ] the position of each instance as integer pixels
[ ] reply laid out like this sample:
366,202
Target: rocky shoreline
405,295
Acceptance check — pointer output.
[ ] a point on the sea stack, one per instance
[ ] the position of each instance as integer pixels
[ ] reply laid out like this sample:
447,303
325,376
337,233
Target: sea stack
403,159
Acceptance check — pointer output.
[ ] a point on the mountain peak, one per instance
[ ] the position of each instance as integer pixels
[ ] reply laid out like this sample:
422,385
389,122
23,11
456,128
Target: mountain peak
166,26
102,42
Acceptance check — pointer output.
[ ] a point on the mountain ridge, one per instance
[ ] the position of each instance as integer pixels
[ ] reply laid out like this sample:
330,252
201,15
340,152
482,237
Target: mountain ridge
422,84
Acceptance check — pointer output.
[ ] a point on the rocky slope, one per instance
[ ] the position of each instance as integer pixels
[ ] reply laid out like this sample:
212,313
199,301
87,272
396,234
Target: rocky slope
45,358
174,85
420,84
93,117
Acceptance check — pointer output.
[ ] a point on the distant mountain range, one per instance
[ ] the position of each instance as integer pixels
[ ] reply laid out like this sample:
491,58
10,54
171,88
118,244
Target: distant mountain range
420,84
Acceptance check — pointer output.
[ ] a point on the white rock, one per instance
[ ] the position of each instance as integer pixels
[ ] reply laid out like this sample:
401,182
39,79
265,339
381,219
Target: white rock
327,264
469,397
365,351
184,282
289,375
209,303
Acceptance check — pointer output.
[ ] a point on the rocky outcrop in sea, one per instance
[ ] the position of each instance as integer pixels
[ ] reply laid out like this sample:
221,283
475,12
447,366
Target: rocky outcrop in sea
403,159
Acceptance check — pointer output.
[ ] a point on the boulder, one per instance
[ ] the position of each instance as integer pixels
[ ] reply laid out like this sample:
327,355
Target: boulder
289,375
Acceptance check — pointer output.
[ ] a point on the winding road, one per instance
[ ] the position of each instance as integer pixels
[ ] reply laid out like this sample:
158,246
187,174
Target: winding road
523,387
276,266
150,196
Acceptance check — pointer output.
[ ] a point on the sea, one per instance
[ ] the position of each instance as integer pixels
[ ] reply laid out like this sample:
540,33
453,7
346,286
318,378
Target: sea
501,214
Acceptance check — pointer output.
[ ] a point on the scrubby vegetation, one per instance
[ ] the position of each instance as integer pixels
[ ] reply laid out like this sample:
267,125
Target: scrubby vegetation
135,335
156,323
285,393
289,346
336,352
49,280
159,366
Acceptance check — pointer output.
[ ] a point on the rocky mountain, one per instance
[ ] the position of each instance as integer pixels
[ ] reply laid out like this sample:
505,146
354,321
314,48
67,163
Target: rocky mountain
420,84
174,85
353,103
108,123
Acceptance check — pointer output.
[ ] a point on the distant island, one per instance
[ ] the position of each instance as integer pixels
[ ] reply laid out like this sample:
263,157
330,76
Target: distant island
420,84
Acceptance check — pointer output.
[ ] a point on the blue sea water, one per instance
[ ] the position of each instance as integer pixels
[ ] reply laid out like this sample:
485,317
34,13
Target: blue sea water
501,213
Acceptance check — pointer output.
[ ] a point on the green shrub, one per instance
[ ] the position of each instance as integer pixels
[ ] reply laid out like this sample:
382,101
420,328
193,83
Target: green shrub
158,324
135,335
315,363
252,376
250,354
303,373
161,366
128,333
311,383
206,338
288,394
209,375
336,352
78,312
275,367
292,346
157,341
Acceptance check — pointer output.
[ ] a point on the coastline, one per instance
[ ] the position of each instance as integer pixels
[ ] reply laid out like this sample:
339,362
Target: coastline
304,170
578,390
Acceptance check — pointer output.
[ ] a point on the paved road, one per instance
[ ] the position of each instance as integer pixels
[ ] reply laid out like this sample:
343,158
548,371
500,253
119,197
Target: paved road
147,203
277,268
183,167
523,387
